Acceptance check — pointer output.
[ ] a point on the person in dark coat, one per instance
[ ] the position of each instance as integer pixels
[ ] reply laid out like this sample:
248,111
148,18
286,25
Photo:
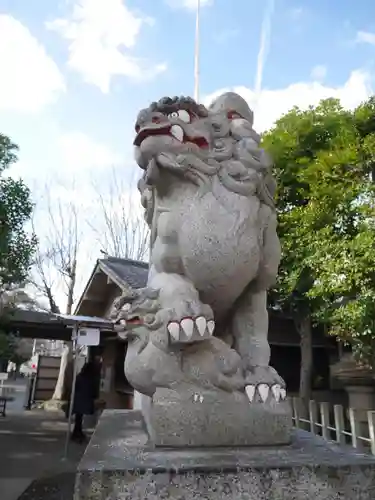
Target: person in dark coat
86,392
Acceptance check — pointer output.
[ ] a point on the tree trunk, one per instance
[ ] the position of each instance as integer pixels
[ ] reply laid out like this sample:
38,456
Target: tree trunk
303,326
53,307
71,287
61,250
64,363
62,384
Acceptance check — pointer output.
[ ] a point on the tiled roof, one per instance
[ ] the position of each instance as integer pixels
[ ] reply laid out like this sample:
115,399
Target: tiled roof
131,272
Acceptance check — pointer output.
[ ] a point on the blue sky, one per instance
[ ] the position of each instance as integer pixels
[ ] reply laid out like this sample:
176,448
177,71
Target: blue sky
76,72
85,95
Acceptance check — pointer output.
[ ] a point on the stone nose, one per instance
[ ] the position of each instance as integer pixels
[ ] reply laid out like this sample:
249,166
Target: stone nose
148,118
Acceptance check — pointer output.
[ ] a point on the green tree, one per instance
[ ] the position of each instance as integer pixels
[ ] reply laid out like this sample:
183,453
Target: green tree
16,244
320,179
347,278
8,346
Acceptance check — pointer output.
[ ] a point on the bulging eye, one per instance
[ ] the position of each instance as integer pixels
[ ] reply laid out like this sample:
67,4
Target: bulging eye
173,115
184,116
233,115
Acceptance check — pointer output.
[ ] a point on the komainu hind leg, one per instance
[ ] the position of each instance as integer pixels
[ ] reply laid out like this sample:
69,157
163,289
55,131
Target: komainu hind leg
250,330
250,321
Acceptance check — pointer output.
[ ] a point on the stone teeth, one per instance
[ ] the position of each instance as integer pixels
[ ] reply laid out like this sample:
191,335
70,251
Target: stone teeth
276,392
187,324
177,132
211,326
282,393
250,391
174,330
263,390
201,325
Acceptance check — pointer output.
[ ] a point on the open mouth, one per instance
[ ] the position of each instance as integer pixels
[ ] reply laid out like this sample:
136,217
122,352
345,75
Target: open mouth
136,320
174,131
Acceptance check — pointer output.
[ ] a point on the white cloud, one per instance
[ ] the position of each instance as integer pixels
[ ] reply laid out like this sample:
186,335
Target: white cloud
97,33
188,4
30,79
365,37
79,152
319,72
272,104
67,156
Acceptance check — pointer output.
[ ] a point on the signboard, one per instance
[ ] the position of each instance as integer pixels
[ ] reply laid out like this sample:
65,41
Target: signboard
88,336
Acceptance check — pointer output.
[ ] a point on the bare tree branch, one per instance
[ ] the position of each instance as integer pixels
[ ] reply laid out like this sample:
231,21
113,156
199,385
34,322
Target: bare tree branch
57,255
119,225
41,277
56,263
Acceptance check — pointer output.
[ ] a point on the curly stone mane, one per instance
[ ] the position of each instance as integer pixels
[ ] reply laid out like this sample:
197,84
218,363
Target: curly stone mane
169,104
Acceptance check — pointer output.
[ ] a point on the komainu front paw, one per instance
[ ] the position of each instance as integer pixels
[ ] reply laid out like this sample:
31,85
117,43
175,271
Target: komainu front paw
196,324
264,385
191,329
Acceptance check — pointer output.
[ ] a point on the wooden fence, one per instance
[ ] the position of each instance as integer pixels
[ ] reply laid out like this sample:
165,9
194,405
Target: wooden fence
335,423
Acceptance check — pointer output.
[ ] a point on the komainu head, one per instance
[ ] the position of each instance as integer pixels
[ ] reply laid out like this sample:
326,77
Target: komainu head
176,125
196,143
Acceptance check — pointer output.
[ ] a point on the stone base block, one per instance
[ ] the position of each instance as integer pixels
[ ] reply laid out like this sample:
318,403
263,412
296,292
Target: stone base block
121,463
213,418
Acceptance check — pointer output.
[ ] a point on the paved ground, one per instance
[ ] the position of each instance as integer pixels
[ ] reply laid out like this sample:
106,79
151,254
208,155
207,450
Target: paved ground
32,454
18,393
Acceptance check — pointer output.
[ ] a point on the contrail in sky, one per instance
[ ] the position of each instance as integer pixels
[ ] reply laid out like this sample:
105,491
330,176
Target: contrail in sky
265,37
197,52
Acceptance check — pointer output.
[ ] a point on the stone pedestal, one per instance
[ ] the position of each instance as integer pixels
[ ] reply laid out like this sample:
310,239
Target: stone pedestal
359,383
121,463
213,418
361,399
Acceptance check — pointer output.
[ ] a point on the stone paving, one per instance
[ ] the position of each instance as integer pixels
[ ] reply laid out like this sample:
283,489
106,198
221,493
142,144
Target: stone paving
32,454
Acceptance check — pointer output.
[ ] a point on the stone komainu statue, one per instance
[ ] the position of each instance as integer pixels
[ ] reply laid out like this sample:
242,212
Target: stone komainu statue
208,194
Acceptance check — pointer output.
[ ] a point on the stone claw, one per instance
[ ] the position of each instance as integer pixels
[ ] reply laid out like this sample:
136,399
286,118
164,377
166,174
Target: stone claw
264,384
198,398
191,329
263,393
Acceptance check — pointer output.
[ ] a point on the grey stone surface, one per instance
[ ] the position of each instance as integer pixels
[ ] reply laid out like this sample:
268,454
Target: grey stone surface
121,463
217,419
208,194
198,390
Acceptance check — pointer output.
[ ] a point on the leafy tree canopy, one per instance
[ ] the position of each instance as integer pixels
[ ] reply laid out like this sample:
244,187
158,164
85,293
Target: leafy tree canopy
16,244
323,165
